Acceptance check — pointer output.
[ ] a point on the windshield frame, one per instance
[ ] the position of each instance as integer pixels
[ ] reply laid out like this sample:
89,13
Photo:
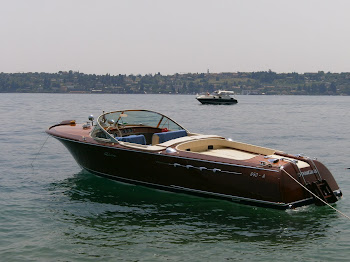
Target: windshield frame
118,117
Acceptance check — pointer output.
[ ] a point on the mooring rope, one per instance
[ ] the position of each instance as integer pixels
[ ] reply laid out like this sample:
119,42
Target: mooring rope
39,150
314,194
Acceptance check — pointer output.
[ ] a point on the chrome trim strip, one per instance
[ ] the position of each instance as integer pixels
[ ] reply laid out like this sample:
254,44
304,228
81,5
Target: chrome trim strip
233,198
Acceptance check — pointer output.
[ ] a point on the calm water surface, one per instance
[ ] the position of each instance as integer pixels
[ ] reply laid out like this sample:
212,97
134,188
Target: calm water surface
53,211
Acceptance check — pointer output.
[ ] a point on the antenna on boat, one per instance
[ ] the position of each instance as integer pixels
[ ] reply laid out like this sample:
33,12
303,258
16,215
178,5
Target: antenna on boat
39,150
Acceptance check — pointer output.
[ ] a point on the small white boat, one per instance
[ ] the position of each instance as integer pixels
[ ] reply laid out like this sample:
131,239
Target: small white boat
219,97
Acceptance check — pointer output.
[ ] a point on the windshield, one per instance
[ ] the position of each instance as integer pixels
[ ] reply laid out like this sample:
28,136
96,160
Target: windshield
224,93
139,118
125,119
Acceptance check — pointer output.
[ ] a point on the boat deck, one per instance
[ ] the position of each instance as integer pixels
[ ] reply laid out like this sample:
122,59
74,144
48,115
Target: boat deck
229,153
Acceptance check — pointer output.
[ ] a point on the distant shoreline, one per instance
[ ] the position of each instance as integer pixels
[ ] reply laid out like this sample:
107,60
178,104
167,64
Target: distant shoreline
245,83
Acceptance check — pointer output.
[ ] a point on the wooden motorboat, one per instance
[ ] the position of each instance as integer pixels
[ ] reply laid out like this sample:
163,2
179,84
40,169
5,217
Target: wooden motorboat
219,97
148,148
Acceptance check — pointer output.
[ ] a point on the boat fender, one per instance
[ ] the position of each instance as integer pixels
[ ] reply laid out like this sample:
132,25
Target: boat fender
165,130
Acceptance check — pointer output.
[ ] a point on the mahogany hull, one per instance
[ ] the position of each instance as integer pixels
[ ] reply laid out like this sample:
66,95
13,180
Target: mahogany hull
238,182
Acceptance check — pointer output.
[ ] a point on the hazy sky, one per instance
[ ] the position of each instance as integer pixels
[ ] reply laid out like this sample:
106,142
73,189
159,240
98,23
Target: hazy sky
141,37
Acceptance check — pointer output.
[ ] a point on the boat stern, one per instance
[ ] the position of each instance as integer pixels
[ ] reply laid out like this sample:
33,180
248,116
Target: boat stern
313,183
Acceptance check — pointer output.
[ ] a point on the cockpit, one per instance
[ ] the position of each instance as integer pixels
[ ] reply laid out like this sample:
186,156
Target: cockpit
142,127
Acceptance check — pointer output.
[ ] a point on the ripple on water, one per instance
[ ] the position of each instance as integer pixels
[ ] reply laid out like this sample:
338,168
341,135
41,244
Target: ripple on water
55,212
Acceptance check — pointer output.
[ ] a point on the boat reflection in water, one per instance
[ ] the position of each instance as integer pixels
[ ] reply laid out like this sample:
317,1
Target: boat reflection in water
117,208
147,148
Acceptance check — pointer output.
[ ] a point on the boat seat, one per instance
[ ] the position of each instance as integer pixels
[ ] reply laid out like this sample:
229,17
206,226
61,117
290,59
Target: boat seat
158,138
204,145
136,139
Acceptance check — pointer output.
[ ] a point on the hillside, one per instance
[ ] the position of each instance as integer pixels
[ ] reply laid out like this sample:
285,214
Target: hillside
267,82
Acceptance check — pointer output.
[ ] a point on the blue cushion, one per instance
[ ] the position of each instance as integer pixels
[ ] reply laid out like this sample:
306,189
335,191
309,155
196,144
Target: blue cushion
166,136
137,139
